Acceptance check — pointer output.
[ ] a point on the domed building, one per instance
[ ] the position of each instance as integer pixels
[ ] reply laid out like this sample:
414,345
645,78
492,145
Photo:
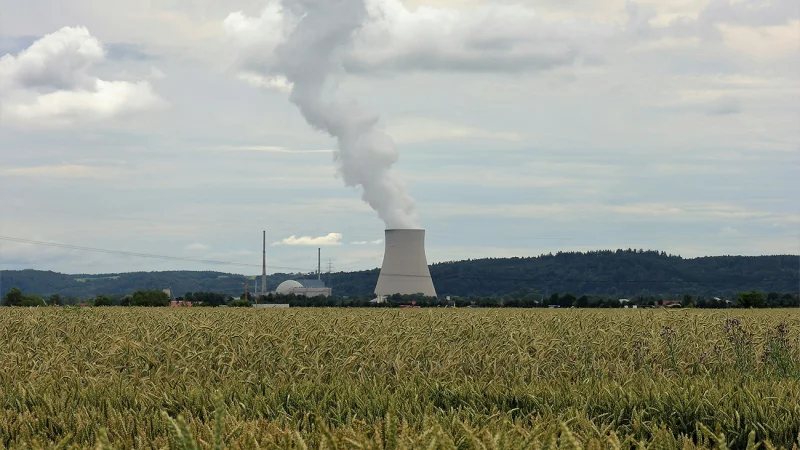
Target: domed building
288,287
308,288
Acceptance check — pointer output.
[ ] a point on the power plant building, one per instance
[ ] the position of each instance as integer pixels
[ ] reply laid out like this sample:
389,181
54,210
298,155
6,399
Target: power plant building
405,266
308,288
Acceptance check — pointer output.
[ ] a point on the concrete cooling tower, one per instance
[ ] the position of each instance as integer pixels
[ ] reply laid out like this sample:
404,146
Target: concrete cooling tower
405,268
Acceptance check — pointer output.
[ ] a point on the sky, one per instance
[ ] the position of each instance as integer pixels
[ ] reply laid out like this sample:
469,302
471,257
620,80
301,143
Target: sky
521,128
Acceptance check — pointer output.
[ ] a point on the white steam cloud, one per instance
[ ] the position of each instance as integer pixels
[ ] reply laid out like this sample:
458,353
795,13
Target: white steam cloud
330,239
310,43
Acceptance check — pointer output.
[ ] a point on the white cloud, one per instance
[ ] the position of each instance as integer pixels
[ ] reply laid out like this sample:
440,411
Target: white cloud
59,60
107,99
50,84
730,19
330,239
415,130
483,38
277,82
197,247
506,37
375,242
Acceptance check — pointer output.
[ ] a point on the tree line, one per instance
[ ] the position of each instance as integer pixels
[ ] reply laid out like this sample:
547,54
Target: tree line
607,273
524,298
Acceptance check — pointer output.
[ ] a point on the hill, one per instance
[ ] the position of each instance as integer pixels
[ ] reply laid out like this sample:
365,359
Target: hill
612,273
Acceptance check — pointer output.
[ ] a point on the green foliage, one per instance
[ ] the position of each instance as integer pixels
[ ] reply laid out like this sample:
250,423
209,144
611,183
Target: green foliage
13,297
102,300
54,300
777,355
567,300
436,378
206,298
32,300
752,299
240,303
149,298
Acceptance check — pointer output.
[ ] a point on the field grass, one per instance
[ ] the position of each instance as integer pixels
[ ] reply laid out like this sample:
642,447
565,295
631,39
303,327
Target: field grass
444,378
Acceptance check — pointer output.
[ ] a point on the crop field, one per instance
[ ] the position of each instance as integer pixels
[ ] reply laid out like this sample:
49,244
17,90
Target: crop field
382,379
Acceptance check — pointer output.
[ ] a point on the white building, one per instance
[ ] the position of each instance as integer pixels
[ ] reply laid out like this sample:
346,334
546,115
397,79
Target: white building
308,288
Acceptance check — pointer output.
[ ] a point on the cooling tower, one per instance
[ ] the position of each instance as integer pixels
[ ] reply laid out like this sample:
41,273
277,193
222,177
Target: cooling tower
405,268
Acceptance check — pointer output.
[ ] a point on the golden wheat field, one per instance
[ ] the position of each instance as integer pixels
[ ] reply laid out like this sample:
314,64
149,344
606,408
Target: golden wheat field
426,378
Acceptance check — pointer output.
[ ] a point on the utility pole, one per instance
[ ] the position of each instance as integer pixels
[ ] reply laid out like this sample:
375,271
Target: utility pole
330,270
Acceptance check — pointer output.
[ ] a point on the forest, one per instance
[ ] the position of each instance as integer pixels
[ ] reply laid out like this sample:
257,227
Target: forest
620,273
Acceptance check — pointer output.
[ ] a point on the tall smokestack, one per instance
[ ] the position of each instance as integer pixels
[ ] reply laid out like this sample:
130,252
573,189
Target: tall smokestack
405,267
319,263
264,266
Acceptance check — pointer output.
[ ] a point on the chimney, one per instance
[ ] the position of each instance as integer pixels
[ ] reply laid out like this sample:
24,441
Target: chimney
405,267
264,266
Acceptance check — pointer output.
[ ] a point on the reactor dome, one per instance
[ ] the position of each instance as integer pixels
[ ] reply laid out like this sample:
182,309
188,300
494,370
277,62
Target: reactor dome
288,286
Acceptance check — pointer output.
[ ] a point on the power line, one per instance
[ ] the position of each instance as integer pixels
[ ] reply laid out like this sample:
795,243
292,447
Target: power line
140,255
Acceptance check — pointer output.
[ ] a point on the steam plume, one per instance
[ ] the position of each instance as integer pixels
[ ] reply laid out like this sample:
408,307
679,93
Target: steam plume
311,60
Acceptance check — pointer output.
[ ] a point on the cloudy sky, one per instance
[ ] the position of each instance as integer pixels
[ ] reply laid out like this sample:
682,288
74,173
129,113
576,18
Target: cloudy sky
522,128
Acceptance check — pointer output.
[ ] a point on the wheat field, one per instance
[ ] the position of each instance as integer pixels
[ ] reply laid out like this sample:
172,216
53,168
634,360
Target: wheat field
425,378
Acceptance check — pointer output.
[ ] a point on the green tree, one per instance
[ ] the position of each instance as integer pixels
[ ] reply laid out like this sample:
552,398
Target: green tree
752,299
240,303
102,300
567,300
688,301
150,298
54,300
32,300
13,297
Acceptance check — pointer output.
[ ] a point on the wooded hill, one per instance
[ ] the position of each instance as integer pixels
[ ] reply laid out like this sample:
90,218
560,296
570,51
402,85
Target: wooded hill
620,273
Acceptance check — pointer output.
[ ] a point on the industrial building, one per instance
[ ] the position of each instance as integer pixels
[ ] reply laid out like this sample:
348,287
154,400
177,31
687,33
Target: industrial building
308,288
405,267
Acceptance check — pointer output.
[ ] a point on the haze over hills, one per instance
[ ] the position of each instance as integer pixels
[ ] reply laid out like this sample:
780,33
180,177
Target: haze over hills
614,273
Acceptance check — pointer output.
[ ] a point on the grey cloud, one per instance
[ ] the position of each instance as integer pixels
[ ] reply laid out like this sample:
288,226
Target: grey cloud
475,61
747,159
494,38
50,84
724,106
720,106
122,51
59,60
750,12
